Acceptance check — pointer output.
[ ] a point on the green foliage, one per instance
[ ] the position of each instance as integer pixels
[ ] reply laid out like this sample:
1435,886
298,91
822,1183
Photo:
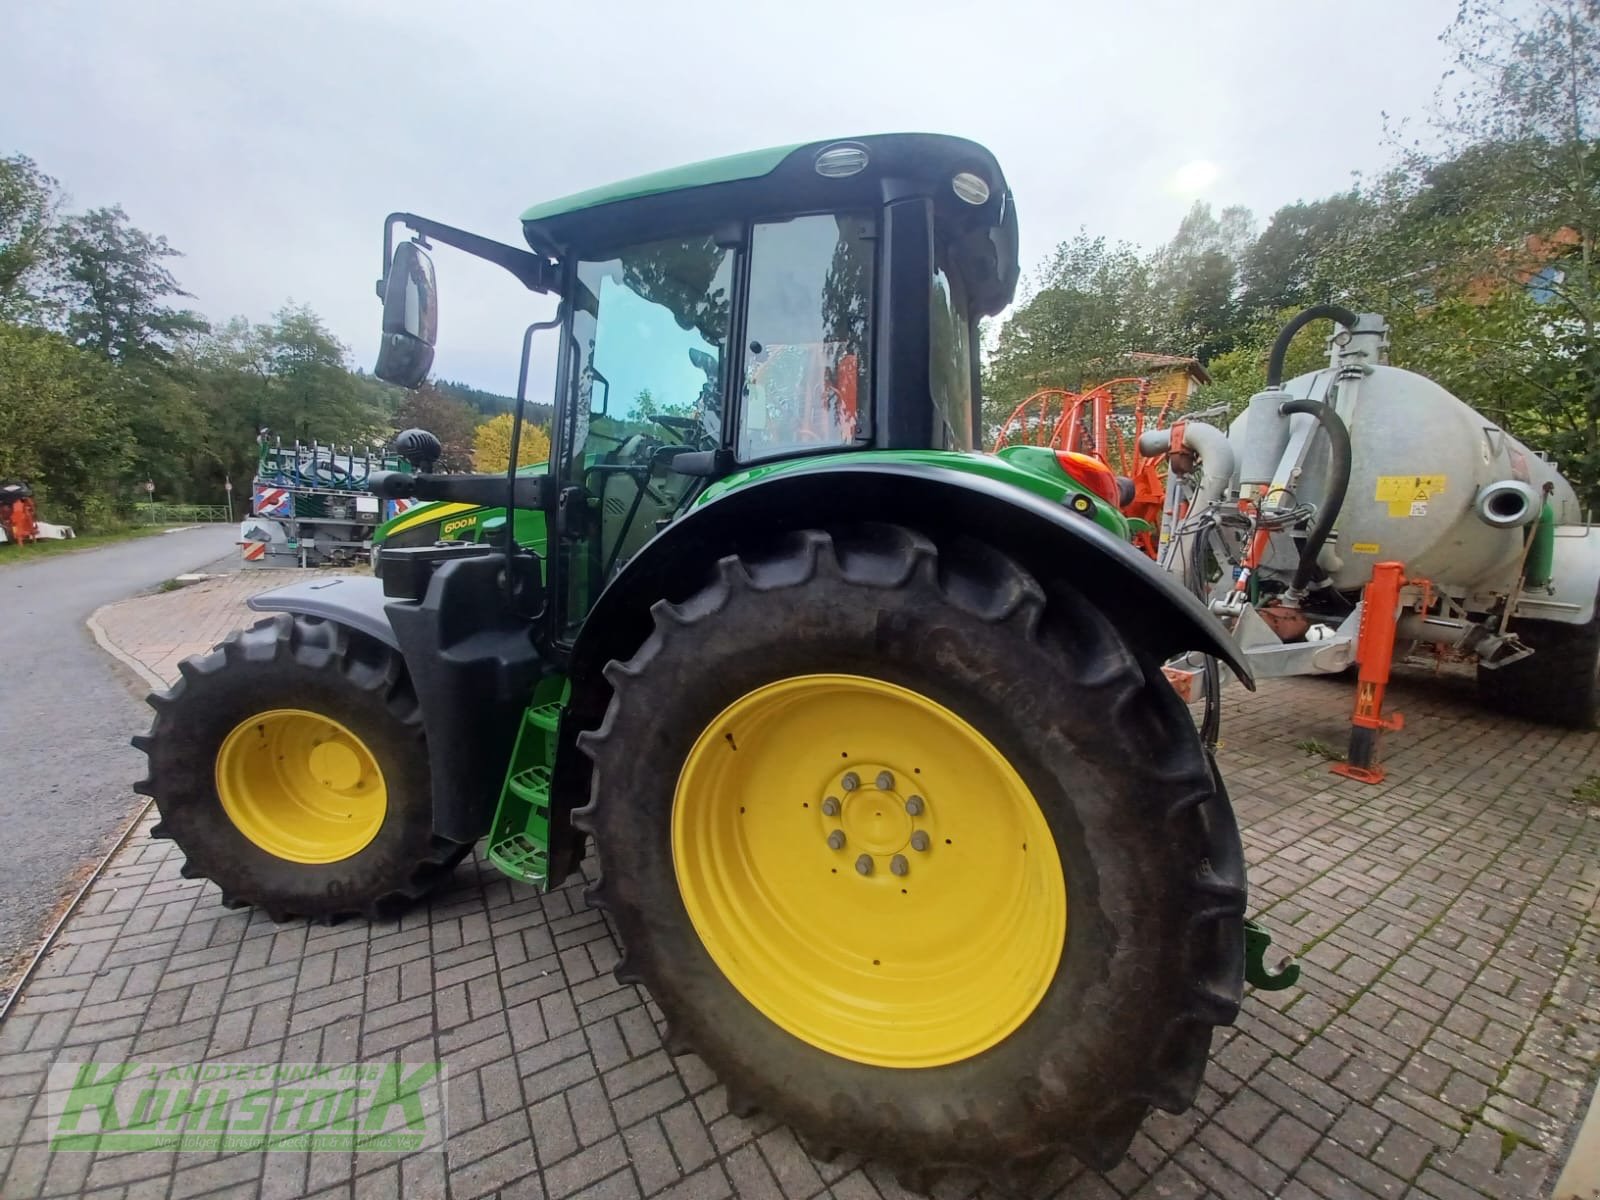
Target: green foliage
1092,305
116,286
1279,270
1315,749
60,427
1479,246
28,204
485,404
106,383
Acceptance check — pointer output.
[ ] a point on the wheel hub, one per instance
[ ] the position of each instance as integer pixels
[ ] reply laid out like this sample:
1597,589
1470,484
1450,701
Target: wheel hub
300,785
814,816
873,820
336,765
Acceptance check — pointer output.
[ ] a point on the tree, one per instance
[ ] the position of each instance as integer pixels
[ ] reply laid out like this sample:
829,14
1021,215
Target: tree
310,393
493,444
1279,270
1093,306
28,204
58,429
1481,244
116,285
448,419
1195,281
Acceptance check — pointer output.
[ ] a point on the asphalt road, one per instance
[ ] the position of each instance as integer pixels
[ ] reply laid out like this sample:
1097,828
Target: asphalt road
66,714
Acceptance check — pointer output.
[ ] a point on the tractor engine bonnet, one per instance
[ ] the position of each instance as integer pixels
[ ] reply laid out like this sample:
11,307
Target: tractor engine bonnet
1423,465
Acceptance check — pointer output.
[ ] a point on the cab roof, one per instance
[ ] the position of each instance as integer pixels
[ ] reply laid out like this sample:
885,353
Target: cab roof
720,193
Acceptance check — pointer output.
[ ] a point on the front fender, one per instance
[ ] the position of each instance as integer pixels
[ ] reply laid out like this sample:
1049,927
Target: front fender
353,600
473,666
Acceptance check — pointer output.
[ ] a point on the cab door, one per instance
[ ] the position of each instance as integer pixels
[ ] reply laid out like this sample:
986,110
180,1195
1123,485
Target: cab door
647,363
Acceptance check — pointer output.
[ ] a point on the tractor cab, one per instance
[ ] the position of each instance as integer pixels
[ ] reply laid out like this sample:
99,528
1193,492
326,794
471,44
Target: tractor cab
775,306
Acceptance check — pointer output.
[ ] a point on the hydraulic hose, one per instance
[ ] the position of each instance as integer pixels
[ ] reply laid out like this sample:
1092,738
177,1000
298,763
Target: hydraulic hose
1338,484
1334,312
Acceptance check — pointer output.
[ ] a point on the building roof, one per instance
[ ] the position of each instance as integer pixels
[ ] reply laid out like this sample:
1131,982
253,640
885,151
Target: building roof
1174,362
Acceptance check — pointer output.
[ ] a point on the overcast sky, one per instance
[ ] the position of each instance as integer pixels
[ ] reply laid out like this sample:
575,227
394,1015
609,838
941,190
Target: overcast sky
267,139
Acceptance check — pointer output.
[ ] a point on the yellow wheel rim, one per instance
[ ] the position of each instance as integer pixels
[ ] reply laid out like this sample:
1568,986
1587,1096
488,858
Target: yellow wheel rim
301,786
868,870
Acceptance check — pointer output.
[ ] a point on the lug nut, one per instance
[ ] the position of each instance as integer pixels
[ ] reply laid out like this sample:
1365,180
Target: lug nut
864,865
836,840
899,865
830,807
850,782
919,840
914,805
885,781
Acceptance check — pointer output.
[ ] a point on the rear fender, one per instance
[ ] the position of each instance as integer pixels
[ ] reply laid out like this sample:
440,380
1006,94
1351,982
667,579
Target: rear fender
1156,615
1574,579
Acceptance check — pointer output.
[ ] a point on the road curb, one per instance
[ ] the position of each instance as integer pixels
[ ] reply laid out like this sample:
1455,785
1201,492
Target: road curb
1580,1178
105,643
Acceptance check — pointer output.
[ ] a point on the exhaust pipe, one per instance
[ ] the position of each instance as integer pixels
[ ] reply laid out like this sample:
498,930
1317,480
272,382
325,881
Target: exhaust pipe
1509,504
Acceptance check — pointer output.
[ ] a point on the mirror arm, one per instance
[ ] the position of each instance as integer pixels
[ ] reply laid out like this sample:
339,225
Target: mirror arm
488,491
533,271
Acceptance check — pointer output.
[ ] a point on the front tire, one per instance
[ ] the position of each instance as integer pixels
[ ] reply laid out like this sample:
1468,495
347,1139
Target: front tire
1062,769
289,766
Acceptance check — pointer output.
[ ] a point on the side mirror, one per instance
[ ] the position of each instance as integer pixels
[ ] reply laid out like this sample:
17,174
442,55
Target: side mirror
410,317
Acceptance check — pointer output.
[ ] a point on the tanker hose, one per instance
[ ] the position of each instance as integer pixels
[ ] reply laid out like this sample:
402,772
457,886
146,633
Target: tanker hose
1338,484
1334,312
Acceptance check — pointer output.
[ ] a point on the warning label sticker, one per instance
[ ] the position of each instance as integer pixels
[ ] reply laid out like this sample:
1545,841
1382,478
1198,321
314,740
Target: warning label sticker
1364,547
1408,495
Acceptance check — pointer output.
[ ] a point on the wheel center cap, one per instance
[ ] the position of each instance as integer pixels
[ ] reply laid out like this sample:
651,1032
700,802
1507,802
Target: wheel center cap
876,821
336,765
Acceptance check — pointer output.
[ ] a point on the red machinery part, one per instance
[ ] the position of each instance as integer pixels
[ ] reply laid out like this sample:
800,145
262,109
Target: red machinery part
1096,423
1380,612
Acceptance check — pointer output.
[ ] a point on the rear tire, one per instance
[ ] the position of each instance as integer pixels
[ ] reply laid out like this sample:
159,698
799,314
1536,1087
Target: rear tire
1558,684
1149,853
296,664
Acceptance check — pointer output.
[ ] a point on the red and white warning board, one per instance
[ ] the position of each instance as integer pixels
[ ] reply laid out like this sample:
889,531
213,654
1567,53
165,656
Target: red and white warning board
272,502
254,551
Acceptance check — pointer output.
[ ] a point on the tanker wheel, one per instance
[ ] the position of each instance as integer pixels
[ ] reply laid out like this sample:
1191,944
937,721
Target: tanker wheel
925,863
288,764
1558,684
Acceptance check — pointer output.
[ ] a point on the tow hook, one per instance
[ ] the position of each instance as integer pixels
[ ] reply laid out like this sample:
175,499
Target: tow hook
1257,941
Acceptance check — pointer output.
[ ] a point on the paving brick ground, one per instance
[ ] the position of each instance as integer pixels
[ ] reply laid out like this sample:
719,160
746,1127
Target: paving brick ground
1442,1045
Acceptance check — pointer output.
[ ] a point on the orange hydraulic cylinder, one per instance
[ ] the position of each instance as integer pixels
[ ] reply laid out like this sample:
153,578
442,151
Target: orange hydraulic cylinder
1380,611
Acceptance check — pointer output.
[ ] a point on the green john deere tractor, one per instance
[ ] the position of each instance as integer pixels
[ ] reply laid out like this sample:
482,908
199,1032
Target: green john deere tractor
896,816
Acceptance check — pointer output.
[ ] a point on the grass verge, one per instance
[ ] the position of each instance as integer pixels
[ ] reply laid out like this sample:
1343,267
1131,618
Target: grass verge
12,553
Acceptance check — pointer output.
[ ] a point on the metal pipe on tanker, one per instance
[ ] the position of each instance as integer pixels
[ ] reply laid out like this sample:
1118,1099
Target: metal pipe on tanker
1215,454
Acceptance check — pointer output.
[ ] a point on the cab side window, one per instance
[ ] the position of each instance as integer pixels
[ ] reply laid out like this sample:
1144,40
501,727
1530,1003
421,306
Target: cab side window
807,373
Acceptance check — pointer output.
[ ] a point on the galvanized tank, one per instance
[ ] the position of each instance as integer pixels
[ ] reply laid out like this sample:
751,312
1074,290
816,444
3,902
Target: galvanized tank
1423,465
